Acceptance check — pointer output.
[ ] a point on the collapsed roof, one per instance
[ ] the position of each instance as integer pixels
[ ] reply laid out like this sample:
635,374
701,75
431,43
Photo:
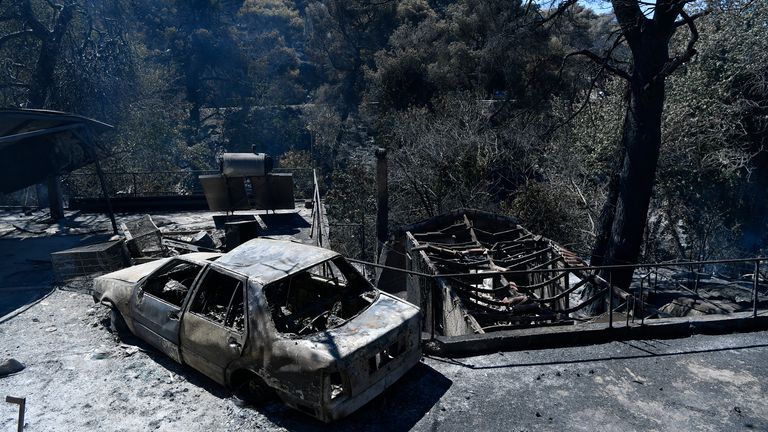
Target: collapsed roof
467,250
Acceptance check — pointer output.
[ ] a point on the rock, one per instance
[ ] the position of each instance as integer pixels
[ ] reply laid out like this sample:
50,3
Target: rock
10,366
51,329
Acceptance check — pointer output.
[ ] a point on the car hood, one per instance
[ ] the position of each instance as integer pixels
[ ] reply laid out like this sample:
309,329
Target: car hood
135,273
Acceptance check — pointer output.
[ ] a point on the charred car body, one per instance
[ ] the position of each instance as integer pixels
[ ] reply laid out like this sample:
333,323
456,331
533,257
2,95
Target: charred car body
271,314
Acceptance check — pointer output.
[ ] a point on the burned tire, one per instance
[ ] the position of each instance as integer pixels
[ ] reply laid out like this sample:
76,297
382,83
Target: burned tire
251,391
117,324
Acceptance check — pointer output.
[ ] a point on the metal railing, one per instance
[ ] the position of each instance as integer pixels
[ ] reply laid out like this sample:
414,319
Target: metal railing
316,230
163,183
134,183
744,277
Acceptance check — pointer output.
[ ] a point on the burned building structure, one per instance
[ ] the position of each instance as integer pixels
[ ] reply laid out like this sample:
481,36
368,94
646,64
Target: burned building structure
486,273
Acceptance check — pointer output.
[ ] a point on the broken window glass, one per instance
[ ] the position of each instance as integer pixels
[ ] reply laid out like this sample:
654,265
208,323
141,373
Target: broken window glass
220,299
319,298
172,283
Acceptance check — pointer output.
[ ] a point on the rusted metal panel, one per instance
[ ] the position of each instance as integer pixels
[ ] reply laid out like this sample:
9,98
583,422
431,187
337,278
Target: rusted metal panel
38,144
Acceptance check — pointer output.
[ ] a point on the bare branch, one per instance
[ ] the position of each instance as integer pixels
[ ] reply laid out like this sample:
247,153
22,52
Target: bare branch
605,62
693,17
559,11
690,51
29,17
14,85
14,35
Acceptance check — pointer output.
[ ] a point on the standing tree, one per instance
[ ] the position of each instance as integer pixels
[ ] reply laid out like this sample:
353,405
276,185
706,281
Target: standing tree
647,30
68,55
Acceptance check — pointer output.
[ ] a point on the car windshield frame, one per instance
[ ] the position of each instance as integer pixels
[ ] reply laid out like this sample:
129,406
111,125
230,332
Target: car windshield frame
284,296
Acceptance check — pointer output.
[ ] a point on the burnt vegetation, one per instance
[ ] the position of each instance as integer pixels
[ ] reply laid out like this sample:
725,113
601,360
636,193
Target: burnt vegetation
632,132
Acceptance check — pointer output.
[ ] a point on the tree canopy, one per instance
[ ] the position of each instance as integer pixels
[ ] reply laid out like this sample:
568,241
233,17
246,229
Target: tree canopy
533,109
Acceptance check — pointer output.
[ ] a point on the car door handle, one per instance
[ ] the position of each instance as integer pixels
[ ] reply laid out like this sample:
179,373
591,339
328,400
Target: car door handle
173,316
233,343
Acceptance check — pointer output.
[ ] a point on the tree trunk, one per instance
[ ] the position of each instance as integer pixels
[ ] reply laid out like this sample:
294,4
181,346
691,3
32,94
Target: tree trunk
43,76
605,222
648,39
755,230
641,140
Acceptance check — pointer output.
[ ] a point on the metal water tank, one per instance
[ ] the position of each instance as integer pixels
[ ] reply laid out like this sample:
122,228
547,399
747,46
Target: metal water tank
245,164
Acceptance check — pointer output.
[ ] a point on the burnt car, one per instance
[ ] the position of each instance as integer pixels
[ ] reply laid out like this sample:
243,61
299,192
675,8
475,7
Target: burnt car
271,316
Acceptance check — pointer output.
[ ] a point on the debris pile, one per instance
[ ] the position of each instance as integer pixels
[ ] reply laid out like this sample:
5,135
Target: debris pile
483,300
142,241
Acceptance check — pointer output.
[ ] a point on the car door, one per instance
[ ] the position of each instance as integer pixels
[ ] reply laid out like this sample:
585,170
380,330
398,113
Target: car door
157,303
214,328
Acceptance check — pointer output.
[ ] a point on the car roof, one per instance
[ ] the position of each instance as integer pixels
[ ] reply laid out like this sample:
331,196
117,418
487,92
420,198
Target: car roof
199,257
267,260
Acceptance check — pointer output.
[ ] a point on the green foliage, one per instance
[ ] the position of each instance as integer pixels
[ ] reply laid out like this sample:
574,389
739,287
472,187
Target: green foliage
713,172
475,99
351,205
296,159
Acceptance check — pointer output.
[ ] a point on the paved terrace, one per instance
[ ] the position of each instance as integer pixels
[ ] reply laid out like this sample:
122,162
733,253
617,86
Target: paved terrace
79,377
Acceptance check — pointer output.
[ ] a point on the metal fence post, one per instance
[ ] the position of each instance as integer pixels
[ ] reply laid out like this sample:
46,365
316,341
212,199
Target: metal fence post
642,302
610,300
21,402
433,299
756,278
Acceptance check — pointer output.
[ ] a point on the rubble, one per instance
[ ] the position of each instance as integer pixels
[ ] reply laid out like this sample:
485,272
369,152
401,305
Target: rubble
480,246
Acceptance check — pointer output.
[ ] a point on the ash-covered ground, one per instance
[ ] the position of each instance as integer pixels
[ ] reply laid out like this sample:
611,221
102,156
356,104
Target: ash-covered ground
79,376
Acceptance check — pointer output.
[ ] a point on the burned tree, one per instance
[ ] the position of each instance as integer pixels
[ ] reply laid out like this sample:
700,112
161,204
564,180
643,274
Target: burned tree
647,30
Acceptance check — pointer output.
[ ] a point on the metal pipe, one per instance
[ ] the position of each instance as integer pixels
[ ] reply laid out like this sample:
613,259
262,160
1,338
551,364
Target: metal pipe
627,311
89,147
609,267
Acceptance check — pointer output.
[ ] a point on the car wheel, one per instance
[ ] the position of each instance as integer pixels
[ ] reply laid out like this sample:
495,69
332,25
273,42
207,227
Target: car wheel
252,391
117,324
